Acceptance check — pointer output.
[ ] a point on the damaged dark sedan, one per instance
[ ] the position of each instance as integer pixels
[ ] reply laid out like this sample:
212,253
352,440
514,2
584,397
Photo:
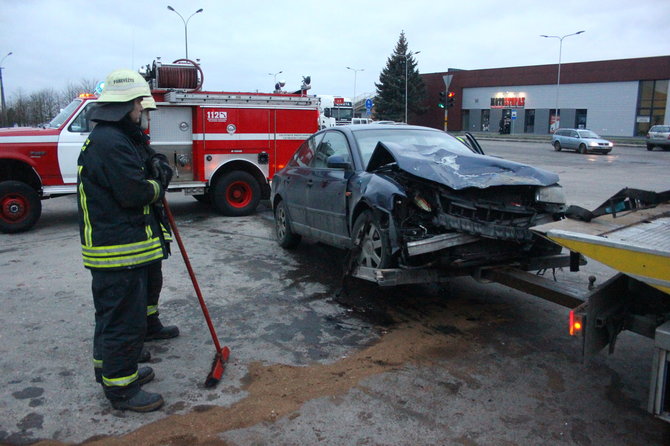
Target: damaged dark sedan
408,196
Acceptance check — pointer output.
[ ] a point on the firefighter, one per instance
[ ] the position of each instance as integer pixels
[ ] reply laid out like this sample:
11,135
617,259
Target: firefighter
121,237
155,329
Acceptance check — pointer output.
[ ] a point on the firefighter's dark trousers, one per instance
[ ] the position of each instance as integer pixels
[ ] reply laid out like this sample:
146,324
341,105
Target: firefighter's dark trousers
120,299
155,285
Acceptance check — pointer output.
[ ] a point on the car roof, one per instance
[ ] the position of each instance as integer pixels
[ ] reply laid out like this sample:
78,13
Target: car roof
369,127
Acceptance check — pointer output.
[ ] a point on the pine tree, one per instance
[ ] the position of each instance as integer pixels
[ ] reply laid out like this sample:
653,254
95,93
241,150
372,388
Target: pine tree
390,98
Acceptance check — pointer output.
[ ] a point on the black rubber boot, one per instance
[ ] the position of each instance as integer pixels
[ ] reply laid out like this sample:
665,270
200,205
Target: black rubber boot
144,375
156,330
142,402
145,355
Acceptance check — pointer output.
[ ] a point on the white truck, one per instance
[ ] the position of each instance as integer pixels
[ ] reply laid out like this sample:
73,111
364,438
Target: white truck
335,110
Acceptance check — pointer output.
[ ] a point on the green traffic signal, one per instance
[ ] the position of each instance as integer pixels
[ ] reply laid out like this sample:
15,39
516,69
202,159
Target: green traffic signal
442,101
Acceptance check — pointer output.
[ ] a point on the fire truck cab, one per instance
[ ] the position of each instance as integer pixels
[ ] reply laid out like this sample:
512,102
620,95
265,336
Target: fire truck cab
224,147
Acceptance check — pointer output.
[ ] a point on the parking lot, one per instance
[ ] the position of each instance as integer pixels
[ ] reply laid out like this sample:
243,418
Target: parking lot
461,363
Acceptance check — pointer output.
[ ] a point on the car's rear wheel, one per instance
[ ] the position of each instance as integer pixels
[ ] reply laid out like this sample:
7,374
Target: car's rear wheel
285,236
650,147
557,146
373,243
582,149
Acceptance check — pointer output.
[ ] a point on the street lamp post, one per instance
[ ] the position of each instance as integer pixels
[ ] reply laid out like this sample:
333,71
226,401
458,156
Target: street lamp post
185,24
353,104
558,81
410,54
275,75
2,88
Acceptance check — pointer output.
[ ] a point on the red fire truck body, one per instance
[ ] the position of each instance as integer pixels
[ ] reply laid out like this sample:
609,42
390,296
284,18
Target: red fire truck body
224,148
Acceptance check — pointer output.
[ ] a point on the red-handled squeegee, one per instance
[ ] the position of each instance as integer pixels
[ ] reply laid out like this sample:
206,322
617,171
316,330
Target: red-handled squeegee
222,354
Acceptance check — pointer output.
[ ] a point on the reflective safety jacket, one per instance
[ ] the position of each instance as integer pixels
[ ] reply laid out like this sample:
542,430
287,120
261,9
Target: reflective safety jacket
117,221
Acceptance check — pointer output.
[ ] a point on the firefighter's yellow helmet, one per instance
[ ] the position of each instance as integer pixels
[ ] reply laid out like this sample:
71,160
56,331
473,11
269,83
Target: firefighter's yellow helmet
124,86
148,103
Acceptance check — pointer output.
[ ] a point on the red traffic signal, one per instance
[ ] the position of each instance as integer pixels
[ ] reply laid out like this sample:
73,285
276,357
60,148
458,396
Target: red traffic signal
451,98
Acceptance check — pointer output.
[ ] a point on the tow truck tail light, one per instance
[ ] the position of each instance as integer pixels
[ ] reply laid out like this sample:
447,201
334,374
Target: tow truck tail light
576,323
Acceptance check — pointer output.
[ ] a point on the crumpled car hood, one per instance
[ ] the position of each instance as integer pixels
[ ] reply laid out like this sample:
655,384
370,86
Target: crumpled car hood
458,170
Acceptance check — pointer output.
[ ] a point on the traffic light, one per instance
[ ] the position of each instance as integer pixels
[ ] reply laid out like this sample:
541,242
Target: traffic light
442,102
451,98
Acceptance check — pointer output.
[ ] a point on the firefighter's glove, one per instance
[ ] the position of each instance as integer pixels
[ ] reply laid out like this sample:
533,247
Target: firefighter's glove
160,169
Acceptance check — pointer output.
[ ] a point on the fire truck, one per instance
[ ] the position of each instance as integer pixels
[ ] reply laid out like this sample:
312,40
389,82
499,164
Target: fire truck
224,147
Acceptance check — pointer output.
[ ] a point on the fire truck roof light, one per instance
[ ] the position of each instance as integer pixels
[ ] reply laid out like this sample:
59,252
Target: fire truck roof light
87,95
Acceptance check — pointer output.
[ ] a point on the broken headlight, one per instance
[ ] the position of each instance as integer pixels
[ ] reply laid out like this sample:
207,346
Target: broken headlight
550,194
422,203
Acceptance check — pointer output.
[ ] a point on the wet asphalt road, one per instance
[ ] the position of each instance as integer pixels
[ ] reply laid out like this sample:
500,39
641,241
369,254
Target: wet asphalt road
464,363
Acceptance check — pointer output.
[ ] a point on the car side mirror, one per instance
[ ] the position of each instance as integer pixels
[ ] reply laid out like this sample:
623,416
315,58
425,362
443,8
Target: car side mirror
338,162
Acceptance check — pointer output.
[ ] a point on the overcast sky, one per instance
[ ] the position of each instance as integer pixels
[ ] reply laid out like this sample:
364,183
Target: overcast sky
55,43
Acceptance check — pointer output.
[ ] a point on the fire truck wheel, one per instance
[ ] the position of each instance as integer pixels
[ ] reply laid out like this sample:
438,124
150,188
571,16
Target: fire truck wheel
285,236
236,194
20,207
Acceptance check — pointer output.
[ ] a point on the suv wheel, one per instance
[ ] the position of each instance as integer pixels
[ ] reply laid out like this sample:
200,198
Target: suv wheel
557,146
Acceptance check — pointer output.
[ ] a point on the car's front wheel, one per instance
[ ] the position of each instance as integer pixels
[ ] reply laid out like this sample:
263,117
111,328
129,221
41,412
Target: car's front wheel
285,236
650,147
582,149
557,146
372,242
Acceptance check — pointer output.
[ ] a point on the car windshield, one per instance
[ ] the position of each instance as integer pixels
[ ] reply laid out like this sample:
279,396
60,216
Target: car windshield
367,140
64,114
587,134
660,128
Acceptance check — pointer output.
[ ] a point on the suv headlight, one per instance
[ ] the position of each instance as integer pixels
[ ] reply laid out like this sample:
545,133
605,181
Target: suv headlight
550,194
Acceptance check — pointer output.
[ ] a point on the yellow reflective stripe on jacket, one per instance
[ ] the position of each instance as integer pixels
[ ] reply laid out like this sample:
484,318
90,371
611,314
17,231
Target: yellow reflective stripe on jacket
157,189
152,309
120,382
147,228
122,255
166,235
97,363
84,206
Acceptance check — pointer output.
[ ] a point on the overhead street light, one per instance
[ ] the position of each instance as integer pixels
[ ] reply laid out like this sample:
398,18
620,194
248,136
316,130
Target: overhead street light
185,24
558,81
2,88
275,75
410,54
353,115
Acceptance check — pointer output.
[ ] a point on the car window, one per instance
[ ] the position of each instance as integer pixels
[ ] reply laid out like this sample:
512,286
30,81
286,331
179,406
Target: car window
367,139
81,124
333,143
660,128
305,153
588,134
574,134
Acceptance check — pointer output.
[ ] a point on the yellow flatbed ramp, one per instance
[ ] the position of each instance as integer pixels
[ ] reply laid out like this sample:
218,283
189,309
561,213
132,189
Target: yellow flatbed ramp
636,243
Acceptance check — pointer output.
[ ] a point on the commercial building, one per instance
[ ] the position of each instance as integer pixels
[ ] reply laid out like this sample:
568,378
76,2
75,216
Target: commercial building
613,97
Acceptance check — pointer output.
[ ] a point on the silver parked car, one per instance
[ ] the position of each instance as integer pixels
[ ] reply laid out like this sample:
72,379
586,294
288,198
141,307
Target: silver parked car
658,136
580,140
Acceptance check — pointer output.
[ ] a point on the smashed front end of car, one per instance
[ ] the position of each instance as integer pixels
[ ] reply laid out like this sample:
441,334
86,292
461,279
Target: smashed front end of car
459,209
